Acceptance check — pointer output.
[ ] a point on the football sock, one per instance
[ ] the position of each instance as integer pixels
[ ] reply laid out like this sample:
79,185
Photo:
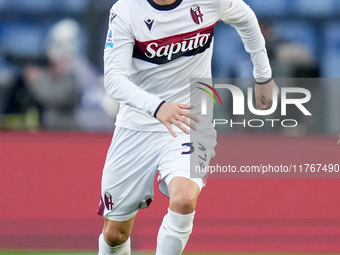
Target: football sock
105,249
174,233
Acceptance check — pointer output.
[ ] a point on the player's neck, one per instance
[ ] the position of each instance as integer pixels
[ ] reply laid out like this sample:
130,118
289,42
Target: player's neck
164,2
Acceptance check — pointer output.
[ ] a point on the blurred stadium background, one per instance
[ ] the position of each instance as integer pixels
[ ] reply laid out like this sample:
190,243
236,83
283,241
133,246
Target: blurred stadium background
49,180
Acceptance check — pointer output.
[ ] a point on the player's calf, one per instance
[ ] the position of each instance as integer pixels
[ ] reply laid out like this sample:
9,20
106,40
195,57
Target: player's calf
178,223
174,233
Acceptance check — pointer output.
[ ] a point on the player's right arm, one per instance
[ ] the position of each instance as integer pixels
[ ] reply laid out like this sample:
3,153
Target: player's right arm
117,63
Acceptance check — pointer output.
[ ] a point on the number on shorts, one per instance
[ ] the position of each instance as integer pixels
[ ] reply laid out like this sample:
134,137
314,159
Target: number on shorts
191,150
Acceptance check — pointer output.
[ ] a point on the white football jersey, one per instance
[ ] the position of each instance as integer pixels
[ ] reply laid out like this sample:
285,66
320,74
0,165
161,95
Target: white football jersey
152,52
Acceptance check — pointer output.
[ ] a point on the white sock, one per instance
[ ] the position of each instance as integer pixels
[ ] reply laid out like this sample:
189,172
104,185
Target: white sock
174,233
105,249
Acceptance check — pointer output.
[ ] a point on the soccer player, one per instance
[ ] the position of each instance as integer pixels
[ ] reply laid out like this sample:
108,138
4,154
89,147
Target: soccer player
153,49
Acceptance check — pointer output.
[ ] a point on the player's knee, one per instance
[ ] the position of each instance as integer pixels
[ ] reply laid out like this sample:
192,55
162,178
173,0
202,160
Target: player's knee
183,203
114,237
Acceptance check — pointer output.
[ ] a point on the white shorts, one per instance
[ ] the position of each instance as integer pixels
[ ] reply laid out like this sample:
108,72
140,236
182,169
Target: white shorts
134,159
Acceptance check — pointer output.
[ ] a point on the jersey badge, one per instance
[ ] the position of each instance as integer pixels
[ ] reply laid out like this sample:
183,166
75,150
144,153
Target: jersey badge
196,14
108,201
149,23
109,42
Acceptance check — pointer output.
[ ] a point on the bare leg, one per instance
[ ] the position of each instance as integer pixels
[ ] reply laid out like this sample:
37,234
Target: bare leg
177,224
115,239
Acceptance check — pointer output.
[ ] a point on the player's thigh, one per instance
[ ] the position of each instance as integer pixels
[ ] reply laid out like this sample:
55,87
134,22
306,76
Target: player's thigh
181,159
128,175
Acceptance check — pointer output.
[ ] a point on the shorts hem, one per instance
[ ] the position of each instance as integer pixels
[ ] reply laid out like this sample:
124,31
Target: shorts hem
121,218
165,181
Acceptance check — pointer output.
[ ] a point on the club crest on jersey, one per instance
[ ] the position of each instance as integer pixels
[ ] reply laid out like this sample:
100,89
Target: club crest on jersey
196,14
108,201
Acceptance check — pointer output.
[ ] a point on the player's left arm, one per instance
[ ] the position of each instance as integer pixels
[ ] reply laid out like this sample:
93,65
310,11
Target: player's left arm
243,19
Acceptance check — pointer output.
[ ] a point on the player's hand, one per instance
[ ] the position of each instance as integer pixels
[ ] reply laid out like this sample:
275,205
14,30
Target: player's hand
264,95
177,114
339,140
